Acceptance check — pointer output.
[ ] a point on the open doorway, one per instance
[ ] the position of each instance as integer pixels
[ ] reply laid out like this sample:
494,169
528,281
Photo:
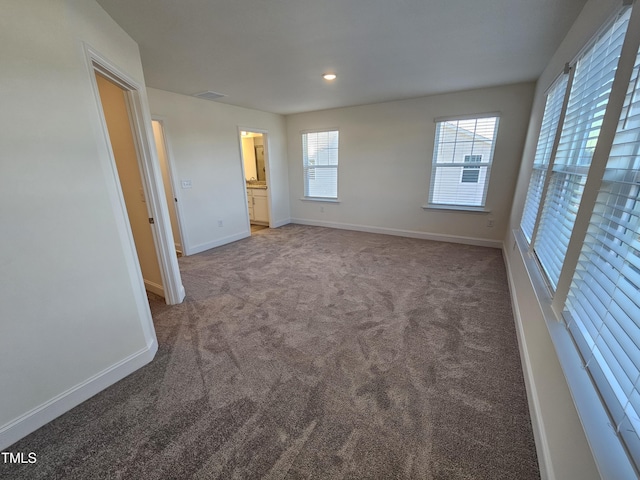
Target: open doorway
255,166
127,130
169,188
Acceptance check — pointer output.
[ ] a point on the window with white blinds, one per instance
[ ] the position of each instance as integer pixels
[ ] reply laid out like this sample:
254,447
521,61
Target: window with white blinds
602,310
594,74
546,139
459,143
320,164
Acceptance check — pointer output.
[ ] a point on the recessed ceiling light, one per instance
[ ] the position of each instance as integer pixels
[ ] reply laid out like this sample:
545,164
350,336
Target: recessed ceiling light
329,76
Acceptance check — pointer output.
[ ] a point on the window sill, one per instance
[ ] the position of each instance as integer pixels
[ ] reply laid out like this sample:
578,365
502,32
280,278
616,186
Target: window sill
320,199
608,452
457,208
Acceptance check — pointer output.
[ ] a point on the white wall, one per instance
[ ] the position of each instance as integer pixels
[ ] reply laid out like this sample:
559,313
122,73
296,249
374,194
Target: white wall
560,438
205,146
71,316
385,163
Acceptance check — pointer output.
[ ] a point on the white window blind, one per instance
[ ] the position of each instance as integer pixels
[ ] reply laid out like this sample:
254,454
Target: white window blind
602,310
546,139
458,143
588,100
320,164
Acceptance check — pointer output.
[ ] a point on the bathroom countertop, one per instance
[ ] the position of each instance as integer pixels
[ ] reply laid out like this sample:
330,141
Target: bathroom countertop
256,185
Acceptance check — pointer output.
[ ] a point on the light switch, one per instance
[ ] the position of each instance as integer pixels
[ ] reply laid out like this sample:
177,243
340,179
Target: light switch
186,183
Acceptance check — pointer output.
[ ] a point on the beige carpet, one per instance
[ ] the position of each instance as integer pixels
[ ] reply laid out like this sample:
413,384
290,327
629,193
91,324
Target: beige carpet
307,352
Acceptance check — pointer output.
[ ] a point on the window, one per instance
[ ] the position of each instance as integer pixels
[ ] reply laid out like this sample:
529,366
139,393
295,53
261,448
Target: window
588,99
471,174
602,310
594,275
458,143
320,164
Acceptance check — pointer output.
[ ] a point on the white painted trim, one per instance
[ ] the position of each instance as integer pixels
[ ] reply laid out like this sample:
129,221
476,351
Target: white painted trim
320,199
280,223
219,242
173,178
154,288
116,197
535,411
51,409
456,208
480,242
150,172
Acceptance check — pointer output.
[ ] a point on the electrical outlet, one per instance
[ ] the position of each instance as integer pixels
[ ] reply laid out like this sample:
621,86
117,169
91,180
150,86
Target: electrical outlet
490,223
321,209
186,184
220,223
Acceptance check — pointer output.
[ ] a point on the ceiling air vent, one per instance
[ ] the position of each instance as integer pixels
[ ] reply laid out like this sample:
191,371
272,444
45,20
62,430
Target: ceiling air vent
209,95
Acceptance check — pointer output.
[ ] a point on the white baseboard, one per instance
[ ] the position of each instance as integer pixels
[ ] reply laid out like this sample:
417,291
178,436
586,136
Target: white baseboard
154,288
535,411
216,243
280,223
480,242
62,403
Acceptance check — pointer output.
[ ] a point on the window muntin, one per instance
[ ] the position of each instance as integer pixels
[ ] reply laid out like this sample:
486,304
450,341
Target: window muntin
320,164
458,143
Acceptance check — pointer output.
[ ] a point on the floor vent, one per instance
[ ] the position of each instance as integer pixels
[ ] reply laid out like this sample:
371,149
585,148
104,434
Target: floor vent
209,95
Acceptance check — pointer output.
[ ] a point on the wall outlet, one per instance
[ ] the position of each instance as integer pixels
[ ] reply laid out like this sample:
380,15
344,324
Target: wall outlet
186,184
321,209
220,223
490,223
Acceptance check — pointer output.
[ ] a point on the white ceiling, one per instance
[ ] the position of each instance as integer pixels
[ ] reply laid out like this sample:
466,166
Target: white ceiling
270,54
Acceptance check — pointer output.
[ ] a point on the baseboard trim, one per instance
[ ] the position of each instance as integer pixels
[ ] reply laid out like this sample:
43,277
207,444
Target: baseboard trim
154,288
280,223
219,242
535,411
480,242
62,403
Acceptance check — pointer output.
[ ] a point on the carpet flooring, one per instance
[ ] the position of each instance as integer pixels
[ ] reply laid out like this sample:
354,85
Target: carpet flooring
308,352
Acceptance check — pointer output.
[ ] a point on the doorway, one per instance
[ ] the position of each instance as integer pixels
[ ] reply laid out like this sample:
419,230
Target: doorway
139,195
255,158
169,188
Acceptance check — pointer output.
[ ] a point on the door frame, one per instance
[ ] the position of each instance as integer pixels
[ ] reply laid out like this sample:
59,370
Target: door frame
173,176
150,173
267,174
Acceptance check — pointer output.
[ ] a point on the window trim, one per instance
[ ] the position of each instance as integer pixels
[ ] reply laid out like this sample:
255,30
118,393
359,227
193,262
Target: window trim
337,166
489,164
